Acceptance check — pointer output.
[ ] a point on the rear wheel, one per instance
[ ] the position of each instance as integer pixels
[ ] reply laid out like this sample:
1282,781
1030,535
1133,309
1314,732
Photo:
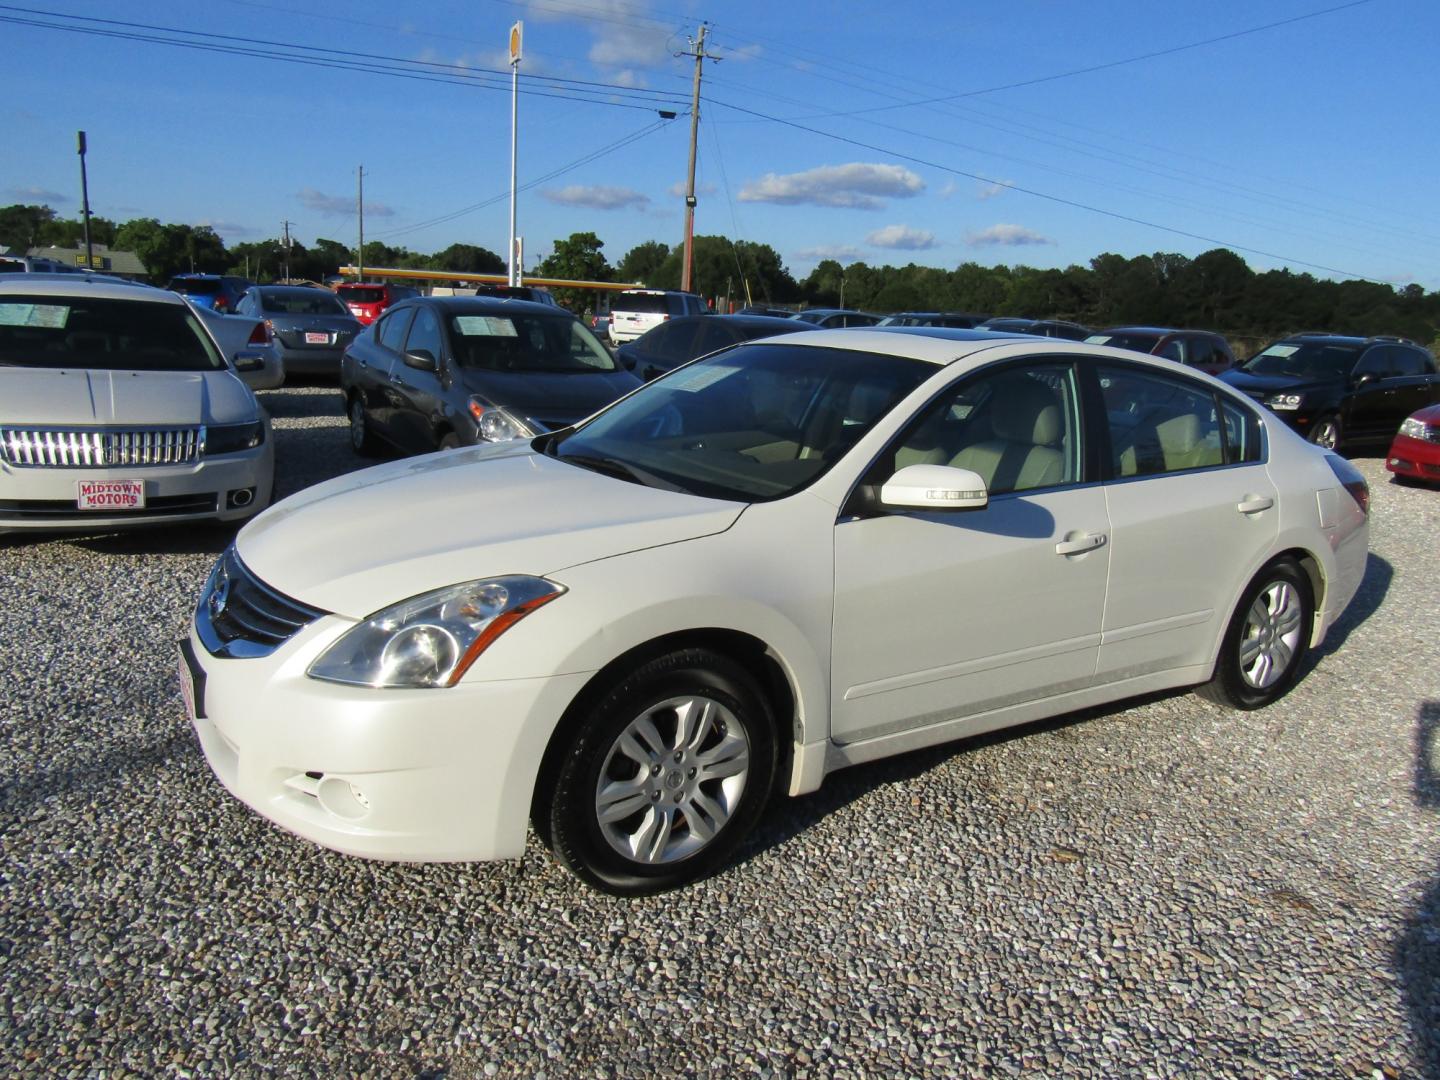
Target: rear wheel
1326,432
361,440
665,776
1266,641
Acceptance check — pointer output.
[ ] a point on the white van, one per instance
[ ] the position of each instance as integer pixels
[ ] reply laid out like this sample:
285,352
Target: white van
635,311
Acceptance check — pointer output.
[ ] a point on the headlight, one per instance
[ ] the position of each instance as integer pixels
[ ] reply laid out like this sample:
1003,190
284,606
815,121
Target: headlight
1284,401
432,639
1418,429
229,438
497,425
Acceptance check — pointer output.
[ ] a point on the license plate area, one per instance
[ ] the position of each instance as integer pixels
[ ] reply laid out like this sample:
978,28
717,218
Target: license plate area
110,495
192,681
314,337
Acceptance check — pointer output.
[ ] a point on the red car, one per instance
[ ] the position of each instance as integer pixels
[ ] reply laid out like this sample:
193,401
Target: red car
1415,453
367,300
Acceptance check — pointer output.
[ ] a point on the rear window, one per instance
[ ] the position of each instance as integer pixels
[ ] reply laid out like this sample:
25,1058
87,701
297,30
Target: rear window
195,286
1135,342
11,266
644,303
361,294
308,302
102,335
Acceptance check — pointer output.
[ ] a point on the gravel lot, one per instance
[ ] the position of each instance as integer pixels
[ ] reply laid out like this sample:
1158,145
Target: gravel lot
1162,889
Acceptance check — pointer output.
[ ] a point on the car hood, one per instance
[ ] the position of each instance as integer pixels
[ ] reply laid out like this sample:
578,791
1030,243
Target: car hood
362,542
83,398
1428,415
554,398
1271,384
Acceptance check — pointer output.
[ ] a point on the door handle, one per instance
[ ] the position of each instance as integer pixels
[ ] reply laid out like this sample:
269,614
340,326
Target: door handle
1253,504
1081,545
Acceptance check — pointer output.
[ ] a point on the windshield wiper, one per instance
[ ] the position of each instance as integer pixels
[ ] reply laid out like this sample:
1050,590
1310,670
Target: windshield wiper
608,466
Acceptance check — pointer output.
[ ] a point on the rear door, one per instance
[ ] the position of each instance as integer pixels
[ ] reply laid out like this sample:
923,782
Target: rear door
1191,507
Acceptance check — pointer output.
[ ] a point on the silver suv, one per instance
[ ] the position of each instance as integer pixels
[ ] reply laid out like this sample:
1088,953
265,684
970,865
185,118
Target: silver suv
635,311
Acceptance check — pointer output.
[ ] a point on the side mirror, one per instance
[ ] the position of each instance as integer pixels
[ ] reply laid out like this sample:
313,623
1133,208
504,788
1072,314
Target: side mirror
421,360
934,487
1365,378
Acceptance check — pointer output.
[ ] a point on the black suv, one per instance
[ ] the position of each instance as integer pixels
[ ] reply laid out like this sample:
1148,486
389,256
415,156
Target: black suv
1340,391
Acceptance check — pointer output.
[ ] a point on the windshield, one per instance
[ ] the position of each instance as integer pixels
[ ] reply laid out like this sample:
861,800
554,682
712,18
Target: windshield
102,335
362,294
195,286
515,342
753,423
1134,342
301,302
1310,360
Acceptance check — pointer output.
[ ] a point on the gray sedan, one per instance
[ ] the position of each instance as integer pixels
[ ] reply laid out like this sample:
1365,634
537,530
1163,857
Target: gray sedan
309,328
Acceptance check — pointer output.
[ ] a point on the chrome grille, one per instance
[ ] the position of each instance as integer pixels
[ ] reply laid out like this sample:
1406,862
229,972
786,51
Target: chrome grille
241,616
69,448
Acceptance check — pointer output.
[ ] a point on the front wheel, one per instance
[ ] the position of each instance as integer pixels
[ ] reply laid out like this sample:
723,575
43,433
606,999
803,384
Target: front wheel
1326,432
665,776
1266,641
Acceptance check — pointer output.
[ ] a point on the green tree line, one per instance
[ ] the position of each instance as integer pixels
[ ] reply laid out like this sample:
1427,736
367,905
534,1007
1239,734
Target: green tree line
1216,290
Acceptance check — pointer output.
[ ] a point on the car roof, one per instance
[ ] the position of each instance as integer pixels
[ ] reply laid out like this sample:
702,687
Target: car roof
83,285
208,277
937,345
1343,339
1148,330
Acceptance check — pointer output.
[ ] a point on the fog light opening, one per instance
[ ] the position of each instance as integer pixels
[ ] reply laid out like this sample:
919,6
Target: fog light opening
342,798
240,498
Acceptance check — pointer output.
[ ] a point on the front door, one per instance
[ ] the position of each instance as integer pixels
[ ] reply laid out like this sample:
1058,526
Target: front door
940,616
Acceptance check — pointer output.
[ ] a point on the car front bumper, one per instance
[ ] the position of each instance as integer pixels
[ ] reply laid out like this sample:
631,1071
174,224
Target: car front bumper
45,498
416,775
1413,457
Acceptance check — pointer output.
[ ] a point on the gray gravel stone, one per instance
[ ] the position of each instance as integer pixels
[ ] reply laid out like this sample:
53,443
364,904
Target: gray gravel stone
1156,889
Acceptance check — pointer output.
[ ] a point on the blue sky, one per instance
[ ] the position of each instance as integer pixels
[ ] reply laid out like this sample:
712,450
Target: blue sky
888,132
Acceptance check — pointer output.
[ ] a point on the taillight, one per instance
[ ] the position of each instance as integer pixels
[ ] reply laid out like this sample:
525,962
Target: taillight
1352,479
221,303
260,335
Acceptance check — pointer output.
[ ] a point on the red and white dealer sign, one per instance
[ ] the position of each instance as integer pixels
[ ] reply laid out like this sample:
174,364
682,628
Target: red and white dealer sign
109,494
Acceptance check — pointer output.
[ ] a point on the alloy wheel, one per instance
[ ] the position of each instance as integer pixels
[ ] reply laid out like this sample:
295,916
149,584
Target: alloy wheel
1271,635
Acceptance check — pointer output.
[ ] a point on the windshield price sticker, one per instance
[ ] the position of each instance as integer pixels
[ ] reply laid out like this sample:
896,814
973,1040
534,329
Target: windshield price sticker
1281,350
698,378
485,326
49,316
110,494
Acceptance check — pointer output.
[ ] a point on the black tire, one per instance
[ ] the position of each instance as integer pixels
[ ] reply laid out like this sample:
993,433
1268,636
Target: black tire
669,789
1264,626
1328,432
361,440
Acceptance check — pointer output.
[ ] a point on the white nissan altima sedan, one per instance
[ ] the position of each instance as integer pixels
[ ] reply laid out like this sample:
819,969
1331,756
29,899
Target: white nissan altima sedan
788,557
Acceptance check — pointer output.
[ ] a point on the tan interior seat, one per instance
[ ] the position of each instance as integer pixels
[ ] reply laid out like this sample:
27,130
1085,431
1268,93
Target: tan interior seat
1024,452
1164,442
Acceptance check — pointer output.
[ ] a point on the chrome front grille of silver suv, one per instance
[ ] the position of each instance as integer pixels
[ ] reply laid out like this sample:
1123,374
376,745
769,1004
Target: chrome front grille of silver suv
239,616
70,448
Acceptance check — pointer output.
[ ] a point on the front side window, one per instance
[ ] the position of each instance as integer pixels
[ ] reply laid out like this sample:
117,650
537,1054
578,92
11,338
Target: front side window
757,422
1158,424
392,329
1018,428
1375,362
102,335
1409,362
425,334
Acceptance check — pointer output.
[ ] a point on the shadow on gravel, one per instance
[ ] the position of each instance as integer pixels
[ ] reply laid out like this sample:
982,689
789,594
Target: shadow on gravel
201,539
1417,950
1374,587
786,818
317,400
98,772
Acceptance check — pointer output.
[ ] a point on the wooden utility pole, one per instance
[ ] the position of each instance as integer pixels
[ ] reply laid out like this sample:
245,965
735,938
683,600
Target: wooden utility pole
700,57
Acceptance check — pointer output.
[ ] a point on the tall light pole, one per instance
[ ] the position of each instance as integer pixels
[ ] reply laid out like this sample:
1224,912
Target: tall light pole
517,33
85,199
360,218
700,59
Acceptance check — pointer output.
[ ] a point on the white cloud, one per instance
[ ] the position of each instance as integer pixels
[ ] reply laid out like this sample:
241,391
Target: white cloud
597,197
340,205
857,186
1006,236
35,195
999,187
625,36
949,189
902,237
839,252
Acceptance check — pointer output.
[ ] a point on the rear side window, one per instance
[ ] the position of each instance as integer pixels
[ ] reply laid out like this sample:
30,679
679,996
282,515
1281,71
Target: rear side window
392,329
1242,433
1158,425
